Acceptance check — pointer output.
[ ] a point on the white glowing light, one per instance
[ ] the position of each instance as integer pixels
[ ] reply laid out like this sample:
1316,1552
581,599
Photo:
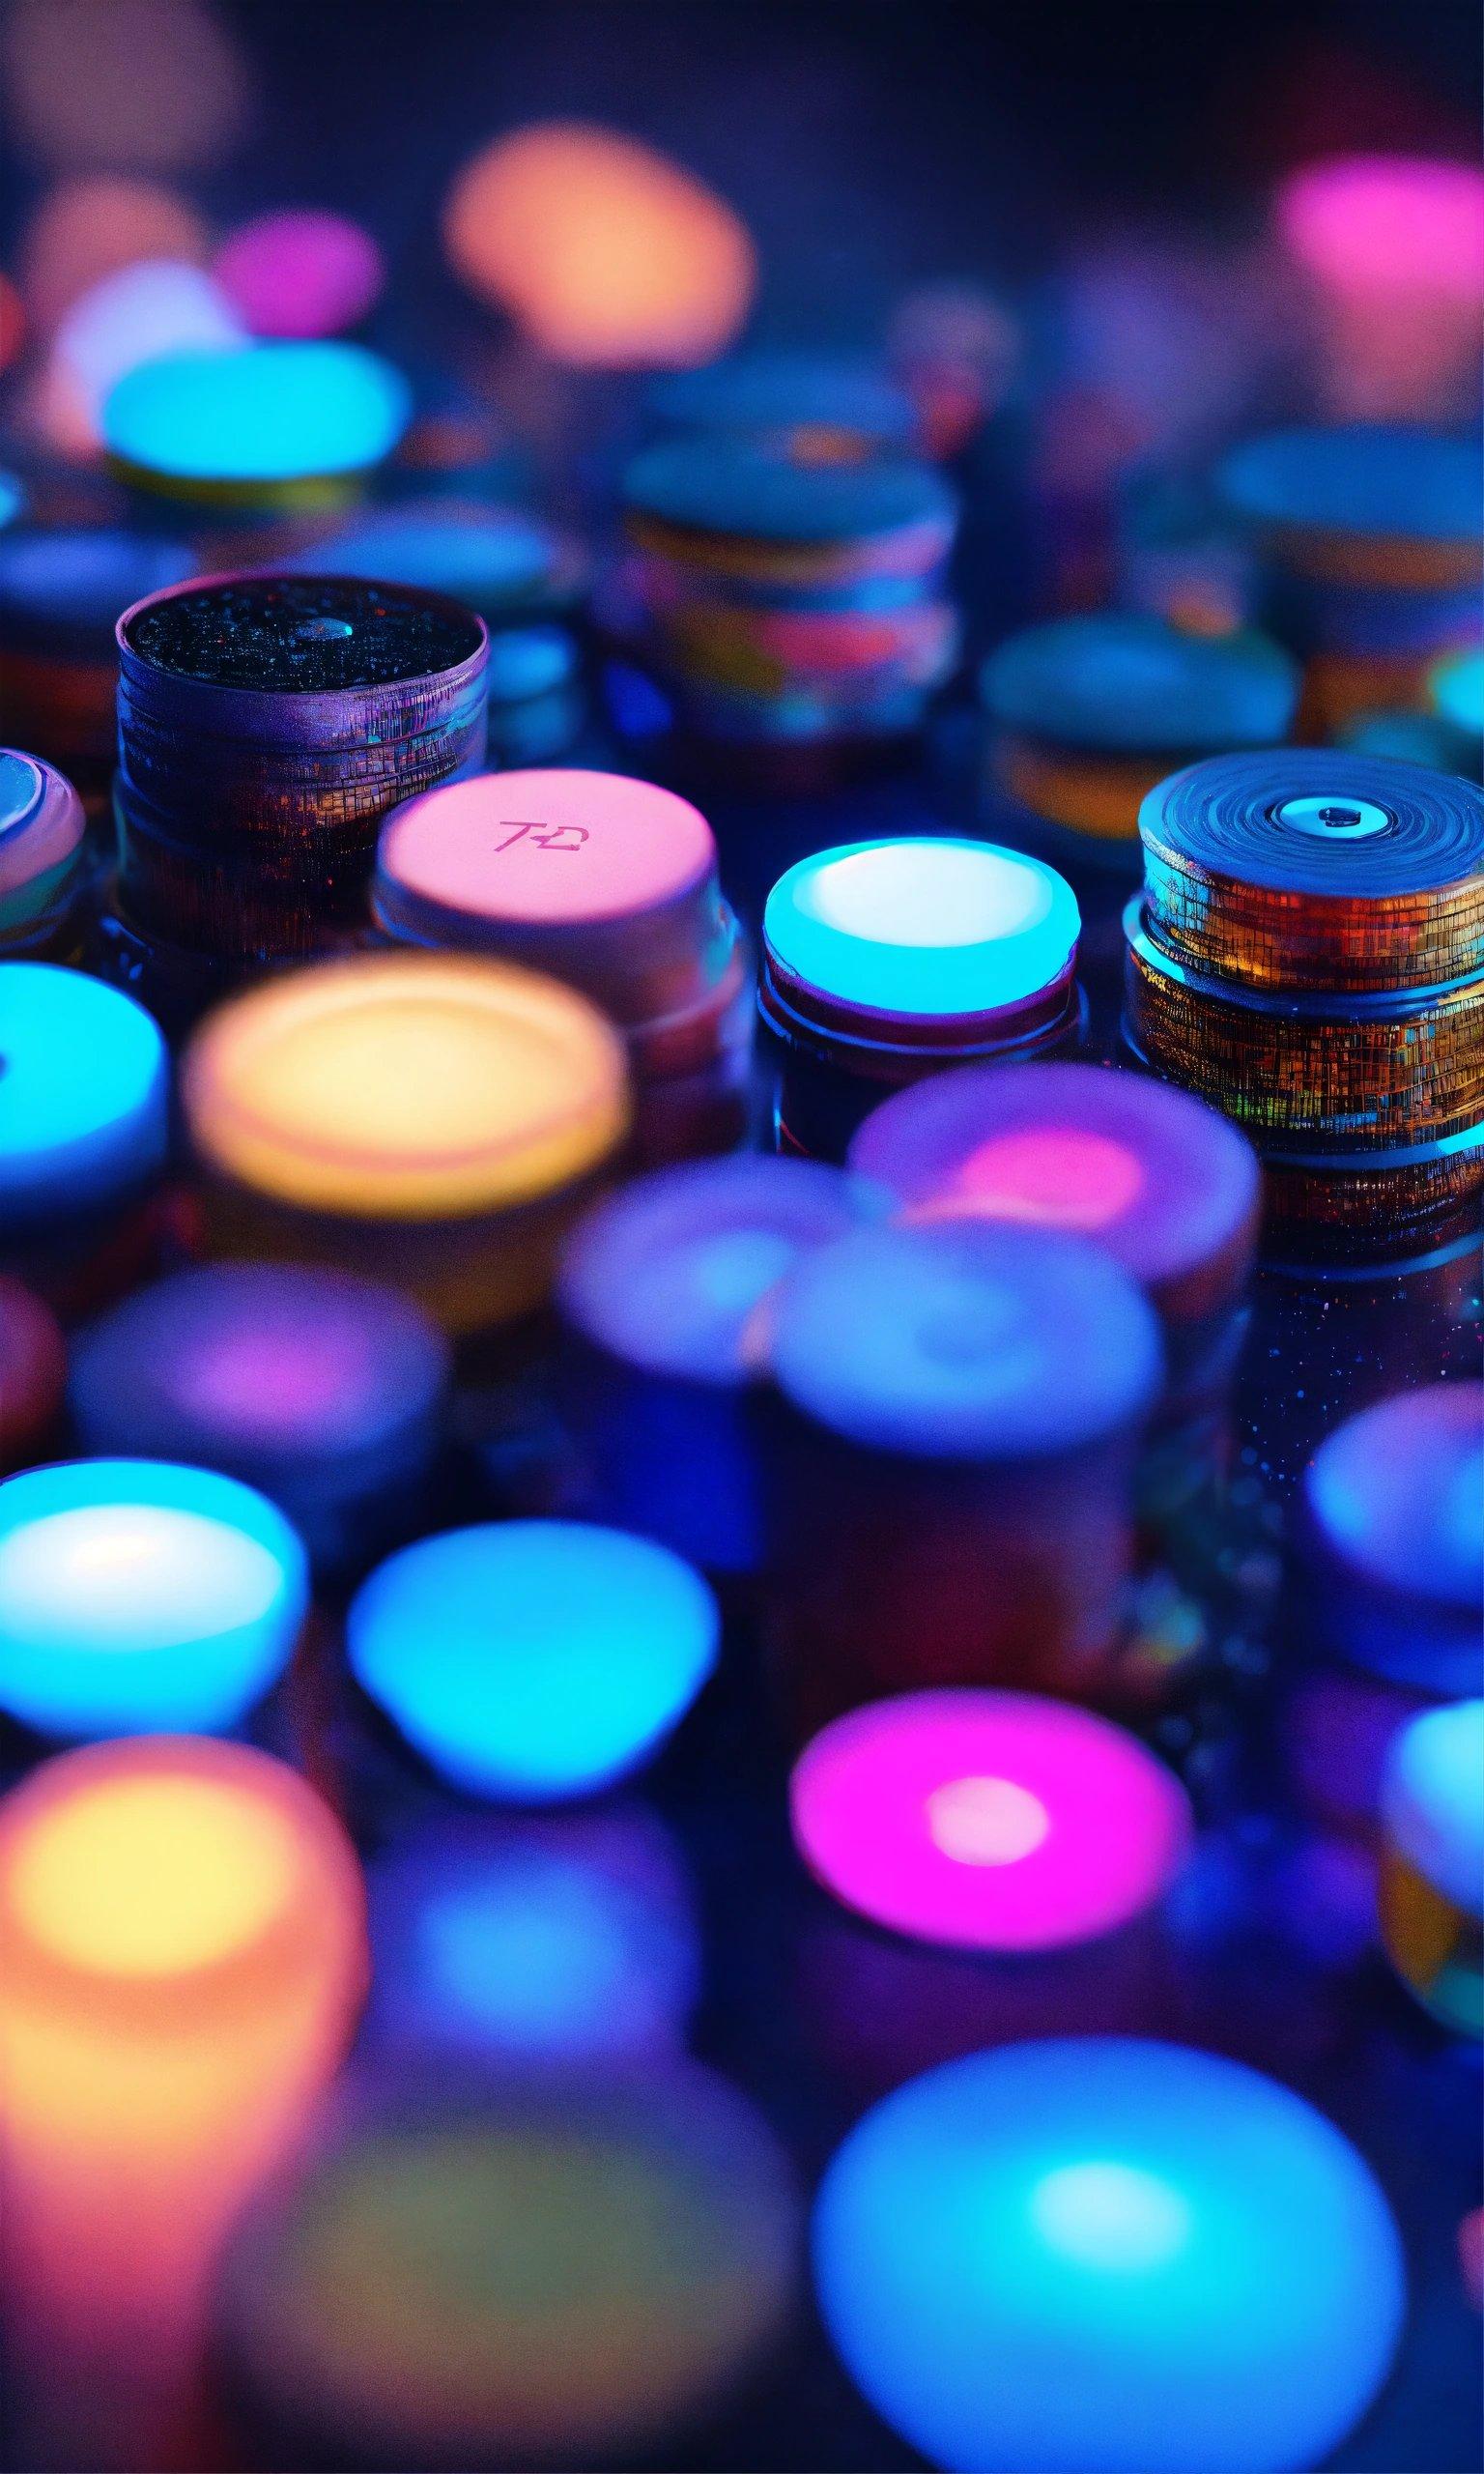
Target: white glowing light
131,1576
1115,2218
987,1820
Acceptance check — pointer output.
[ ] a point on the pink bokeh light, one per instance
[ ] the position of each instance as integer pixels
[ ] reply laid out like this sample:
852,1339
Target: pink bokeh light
301,274
989,1821
1389,222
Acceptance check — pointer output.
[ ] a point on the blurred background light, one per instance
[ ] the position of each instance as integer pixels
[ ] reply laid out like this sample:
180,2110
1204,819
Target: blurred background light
1099,2254
301,271
148,85
276,412
607,254
144,313
94,226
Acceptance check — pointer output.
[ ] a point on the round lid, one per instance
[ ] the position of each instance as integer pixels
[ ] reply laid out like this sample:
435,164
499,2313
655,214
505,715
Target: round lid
1416,484
1124,682
84,1092
62,588
932,928
762,392
1167,1184
723,485
1397,1492
968,1340
293,634
270,412
42,829
1432,1799
672,1271
406,1087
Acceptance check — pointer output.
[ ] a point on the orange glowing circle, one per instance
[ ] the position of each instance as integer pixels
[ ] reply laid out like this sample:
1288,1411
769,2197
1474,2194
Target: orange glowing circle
141,1871
606,254
88,228
406,1087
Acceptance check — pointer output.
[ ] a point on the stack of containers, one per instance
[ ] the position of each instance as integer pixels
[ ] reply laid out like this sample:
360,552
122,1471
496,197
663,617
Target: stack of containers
1162,1183
782,596
61,590
1369,539
1308,955
825,405
43,870
609,884
266,725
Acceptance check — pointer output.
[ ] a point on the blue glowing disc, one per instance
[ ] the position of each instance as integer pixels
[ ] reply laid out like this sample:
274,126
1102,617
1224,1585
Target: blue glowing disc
536,1660
142,1598
84,1095
1359,478
1128,681
763,394
932,928
1101,2256
280,411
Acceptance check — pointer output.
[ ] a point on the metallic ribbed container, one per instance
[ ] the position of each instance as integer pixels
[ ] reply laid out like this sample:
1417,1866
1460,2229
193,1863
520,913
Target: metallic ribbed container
266,725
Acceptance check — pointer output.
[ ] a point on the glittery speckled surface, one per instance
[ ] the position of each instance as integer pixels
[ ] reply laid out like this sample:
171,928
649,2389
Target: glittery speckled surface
314,634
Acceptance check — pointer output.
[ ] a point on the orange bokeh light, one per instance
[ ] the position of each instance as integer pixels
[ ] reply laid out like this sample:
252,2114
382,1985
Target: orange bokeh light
89,228
183,1950
606,254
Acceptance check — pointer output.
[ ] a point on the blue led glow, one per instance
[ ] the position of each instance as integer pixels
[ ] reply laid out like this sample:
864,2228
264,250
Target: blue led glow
568,1938
533,1660
141,1598
84,1093
1123,679
278,412
1103,2254
930,927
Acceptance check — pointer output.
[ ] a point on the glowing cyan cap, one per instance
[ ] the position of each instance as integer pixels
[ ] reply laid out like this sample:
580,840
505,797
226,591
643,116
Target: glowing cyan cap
1456,689
273,413
994,1821
1167,1184
608,882
969,1341
533,1659
138,1598
1105,2252
535,1940
506,2272
925,929
84,1094
410,1087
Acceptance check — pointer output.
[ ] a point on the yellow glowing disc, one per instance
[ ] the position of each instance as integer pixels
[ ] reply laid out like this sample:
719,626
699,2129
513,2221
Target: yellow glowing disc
406,1087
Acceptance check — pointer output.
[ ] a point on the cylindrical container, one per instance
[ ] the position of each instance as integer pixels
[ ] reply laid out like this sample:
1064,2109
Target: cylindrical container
266,725
1108,2252
1455,694
1168,1186
832,406
1309,956
182,1941
786,597
579,2273
279,430
62,588
1432,1875
429,1119
84,1130
531,1662
607,883
1390,1597
142,1598
33,1376
662,1294
44,869
1088,713
951,1490
886,961
326,1392
1370,535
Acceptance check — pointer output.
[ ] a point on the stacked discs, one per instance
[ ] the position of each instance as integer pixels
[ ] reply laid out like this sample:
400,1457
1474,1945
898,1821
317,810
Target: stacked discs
1309,956
266,725
885,961
61,590
1370,540
609,884
43,868
1088,713
784,595
430,1118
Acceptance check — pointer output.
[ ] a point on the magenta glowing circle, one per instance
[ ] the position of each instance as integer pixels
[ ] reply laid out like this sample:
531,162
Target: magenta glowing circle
989,1821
